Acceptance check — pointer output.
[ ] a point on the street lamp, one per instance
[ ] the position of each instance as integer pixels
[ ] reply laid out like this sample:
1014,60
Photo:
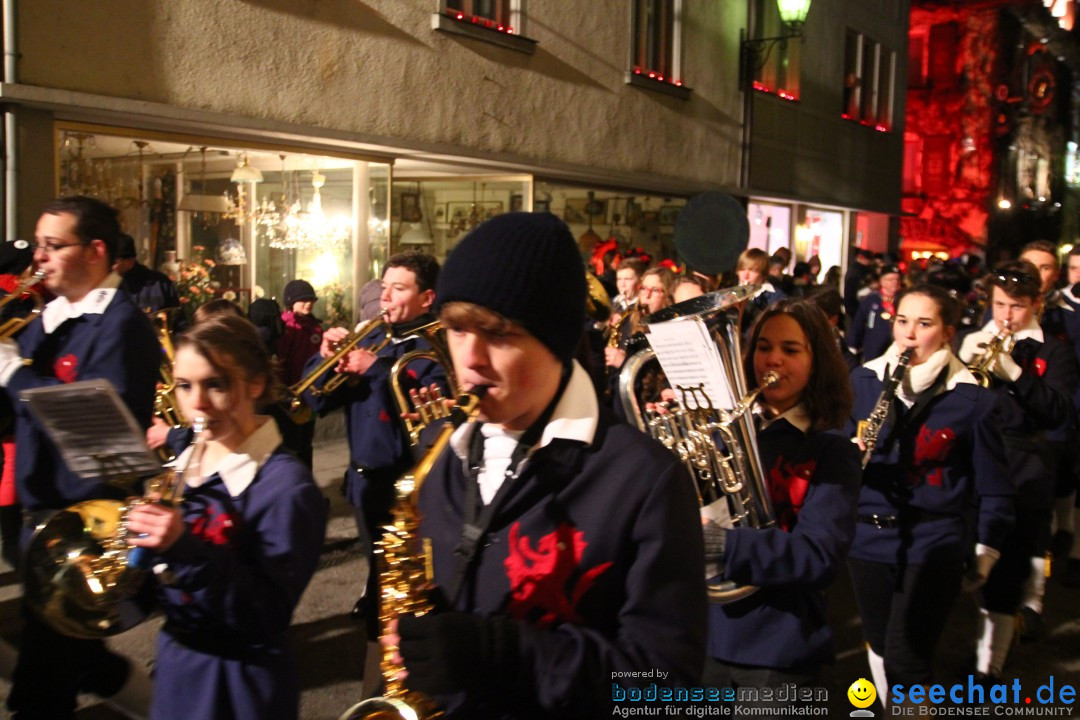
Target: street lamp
755,52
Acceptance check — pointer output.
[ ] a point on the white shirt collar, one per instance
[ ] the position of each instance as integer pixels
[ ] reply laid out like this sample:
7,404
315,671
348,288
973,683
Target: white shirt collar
1067,293
238,469
576,416
60,309
797,416
1031,331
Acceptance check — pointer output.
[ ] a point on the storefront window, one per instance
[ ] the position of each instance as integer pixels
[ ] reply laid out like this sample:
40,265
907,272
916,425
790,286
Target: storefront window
236,222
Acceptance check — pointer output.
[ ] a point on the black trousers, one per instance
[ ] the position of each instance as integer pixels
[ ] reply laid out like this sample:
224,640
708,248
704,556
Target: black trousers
720,674
50,670
1030,537
904,610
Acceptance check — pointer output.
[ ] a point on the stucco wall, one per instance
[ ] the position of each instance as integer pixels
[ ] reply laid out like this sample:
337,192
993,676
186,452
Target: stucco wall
376,68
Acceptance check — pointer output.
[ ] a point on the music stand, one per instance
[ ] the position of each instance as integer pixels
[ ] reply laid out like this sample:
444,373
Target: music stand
93,429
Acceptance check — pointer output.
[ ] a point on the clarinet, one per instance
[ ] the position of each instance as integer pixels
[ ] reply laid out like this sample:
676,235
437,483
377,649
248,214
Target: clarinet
870,428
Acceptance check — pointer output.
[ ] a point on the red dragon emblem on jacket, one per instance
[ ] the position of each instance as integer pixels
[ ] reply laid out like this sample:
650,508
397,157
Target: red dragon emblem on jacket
539,577
932,448
788,483
215,527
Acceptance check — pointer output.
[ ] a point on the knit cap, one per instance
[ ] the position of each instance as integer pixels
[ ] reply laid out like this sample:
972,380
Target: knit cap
526,267
297,290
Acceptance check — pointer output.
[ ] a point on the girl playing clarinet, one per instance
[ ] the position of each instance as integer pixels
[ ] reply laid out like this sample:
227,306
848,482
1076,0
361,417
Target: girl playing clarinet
232,561
937,452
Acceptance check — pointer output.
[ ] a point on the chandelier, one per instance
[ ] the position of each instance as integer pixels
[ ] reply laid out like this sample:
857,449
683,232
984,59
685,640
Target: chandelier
290,227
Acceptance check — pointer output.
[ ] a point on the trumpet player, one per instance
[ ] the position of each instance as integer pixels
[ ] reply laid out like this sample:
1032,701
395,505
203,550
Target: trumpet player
567,545
937,454
90,330
379,450
1035,383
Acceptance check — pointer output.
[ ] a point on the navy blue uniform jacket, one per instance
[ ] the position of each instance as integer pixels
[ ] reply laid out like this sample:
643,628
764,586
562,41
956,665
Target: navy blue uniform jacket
118,345
813,480
949,459
598,554
871,328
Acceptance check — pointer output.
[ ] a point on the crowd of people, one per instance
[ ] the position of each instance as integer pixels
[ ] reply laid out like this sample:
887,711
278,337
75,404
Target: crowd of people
566,547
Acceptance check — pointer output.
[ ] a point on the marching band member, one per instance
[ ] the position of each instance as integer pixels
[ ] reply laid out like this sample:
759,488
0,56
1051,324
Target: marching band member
871,328
780,633
566,544
938,450
379,449
1034,383
242,546
752,268
91,330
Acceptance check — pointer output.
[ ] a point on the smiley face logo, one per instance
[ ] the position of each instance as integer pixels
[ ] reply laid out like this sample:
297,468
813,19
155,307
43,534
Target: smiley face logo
862,693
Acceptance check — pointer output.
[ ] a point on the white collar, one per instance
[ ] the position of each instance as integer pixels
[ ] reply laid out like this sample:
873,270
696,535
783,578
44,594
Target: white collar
1067,293
958,371
60,309
1056,299
576,416
797,416
237,469
1031,331
764,287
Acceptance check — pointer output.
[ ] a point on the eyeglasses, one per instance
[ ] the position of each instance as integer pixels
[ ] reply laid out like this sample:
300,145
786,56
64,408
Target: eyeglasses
648,292
50,248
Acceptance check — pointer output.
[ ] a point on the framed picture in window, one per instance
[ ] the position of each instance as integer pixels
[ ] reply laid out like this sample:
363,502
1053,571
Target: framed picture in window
410,207
517,203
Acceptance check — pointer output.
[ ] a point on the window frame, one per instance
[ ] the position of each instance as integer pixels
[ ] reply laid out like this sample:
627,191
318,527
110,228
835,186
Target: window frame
668,77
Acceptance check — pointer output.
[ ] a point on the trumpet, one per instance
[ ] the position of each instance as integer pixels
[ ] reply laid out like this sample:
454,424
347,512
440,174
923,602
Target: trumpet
13,325
298,409
980,364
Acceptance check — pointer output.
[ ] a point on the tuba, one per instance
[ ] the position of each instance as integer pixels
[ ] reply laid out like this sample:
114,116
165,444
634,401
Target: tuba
406,575
980,364
165,405
82,578
718,446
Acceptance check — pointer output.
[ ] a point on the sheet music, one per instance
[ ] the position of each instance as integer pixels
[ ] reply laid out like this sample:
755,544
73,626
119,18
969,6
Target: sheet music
92,427
689,357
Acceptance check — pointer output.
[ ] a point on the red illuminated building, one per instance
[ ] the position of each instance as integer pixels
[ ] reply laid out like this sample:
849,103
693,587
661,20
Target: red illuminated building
989,122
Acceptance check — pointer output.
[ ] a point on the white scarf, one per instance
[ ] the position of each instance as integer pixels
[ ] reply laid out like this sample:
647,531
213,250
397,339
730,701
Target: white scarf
920,377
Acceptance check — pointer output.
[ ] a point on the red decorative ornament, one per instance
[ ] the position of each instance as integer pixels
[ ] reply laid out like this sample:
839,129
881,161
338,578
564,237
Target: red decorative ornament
66,368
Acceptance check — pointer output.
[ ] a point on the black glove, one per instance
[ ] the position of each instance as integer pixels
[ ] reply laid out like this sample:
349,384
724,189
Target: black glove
455,651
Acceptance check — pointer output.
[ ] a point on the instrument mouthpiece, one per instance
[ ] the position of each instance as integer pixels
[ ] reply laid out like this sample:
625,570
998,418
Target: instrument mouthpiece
771,378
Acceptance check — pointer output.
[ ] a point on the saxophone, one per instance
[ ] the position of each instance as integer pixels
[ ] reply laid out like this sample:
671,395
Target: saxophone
869,429
405,567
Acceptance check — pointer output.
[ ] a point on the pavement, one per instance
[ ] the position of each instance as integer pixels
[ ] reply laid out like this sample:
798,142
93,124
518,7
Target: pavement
329,643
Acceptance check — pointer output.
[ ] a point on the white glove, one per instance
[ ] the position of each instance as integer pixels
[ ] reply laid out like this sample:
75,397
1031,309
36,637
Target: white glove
985,557
10,361
1006,368
974,345
1003,367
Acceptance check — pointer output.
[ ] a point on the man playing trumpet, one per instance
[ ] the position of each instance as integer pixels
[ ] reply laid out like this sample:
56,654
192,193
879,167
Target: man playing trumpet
1035,381
379,450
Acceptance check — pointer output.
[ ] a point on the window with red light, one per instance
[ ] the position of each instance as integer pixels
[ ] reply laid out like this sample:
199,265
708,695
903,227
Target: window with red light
782,68
657,40
503,14
869,82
